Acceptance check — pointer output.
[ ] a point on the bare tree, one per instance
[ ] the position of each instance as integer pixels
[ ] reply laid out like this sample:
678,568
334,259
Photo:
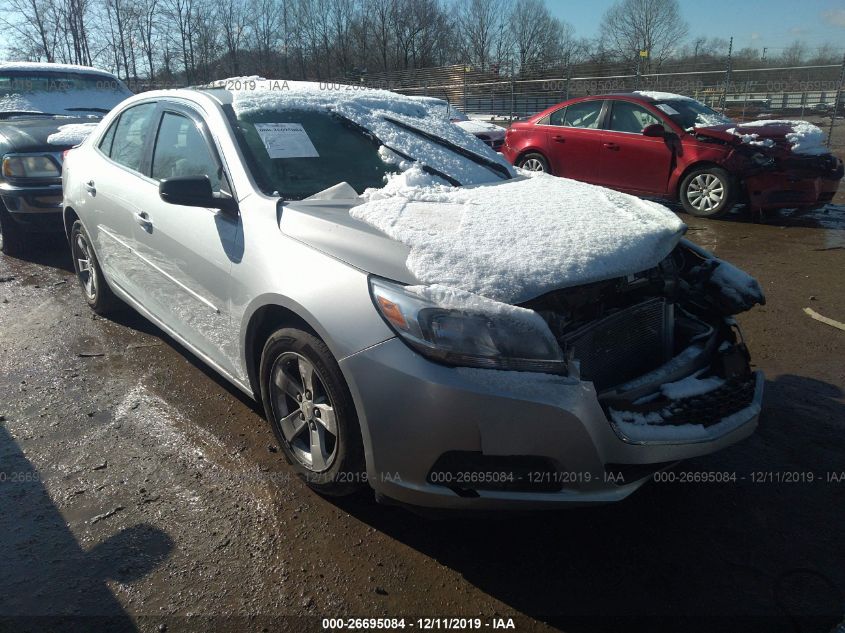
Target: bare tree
538,37
483,30
631,26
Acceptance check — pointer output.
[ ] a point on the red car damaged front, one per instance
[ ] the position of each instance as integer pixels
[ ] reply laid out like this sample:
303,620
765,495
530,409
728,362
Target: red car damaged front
776,171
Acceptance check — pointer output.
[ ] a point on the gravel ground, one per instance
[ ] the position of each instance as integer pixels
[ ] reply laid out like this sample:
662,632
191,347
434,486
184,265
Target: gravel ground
137,486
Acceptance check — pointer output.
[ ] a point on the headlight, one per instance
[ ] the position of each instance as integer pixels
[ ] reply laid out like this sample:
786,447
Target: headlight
460,328
23,166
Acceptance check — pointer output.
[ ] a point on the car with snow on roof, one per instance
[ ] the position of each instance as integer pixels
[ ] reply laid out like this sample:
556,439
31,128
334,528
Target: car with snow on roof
413,313
45,109
665,145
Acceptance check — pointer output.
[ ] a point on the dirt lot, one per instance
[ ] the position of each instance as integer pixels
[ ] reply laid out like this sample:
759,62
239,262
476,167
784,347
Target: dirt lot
137,486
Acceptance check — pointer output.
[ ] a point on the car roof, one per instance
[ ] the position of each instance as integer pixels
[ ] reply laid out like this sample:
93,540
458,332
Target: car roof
49,67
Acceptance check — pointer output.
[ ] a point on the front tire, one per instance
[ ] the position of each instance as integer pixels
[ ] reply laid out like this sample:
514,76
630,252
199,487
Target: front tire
11,235
311,411
534,162
707,192
95,289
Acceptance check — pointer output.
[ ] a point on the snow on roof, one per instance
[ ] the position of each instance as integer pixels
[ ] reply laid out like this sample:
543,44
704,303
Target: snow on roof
661,96
515,240
370,108
71,134
805,138
45,67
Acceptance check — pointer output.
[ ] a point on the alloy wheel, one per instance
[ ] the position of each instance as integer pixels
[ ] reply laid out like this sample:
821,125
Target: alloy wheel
533,164
706,192
85,267
304,411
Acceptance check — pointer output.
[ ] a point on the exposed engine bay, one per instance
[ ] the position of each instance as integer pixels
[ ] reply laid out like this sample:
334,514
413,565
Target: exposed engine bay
660,346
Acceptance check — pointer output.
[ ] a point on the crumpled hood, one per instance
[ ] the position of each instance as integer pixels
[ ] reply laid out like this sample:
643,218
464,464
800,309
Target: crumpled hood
798,137
518,239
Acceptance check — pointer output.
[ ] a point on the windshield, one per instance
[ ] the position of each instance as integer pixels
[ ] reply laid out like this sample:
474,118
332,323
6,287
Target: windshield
689,113
64,93
297,153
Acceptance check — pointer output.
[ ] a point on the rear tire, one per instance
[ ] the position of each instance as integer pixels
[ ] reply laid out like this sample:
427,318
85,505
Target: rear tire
707,192
12,241
95,288
534,162
311,411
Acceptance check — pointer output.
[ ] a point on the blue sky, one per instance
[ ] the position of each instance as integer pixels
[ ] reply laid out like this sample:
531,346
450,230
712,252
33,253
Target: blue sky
770,23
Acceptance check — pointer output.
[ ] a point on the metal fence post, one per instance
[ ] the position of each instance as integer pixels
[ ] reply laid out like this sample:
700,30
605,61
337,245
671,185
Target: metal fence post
568,77
837,100
513,104
728,70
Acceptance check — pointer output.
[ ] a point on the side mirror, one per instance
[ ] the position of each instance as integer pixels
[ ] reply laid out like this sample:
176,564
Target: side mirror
655,129
194,191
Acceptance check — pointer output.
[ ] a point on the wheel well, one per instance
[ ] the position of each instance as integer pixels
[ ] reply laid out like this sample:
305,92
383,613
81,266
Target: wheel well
525,153
69,218
266,320
690,168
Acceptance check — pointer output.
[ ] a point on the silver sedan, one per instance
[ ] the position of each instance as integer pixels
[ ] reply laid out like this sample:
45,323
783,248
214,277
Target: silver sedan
223,216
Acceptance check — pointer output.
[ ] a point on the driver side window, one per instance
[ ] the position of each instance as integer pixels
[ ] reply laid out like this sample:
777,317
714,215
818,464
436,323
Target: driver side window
181,150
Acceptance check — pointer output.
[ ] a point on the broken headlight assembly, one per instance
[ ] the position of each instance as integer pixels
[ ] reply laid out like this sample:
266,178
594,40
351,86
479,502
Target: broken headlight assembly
483,334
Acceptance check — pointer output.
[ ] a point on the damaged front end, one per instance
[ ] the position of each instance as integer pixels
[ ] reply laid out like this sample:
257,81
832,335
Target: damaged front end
661,347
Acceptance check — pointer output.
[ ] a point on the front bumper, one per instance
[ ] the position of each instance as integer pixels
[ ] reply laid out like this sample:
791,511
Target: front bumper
786,189
413,411
35,208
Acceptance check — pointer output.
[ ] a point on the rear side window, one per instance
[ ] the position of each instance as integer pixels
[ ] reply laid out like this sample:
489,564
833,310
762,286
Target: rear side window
181,150
584,114
108,137
629,117
132,130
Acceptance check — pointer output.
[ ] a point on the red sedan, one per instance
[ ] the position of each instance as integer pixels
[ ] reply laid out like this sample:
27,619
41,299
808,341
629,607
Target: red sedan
670,146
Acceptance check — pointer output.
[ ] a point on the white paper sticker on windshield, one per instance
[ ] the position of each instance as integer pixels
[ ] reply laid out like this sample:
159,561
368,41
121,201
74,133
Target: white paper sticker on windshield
667,109
286,140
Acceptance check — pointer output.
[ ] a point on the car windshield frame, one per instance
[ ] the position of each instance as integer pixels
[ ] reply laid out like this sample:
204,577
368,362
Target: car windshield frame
685,107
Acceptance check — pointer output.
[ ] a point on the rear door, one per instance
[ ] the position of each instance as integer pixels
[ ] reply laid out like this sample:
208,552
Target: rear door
189,251
630,161
573,139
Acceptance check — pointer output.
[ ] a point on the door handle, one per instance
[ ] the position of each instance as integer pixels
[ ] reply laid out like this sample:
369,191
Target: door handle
89,186
612,146
144,220
559,138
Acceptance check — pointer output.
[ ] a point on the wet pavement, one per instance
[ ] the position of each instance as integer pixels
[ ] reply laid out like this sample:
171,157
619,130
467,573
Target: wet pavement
140,491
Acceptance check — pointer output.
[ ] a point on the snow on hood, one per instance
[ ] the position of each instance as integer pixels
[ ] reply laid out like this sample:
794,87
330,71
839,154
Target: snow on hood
71,134
803,137
370,108
515,240
480,127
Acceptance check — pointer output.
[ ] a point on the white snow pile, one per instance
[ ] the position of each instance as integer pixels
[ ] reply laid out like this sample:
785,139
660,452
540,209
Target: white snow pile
370,108
651,427
518,239
71,134
661,96
736,284
690,386
752,139
805,138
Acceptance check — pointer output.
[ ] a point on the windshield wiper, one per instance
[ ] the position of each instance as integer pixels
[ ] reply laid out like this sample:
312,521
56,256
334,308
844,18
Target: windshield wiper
11,113
103,110
497,168
431,171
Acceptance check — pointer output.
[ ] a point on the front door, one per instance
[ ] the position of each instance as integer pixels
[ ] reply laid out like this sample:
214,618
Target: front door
630,161
189,251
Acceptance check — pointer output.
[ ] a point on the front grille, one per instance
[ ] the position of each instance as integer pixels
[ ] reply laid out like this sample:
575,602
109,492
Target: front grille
624,345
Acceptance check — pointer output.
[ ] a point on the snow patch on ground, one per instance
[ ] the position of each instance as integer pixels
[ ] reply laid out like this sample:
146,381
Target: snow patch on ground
805,137
518,239
71,134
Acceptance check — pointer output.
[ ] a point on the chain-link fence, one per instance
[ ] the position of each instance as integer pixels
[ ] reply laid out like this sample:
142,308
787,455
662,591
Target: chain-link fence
742,89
